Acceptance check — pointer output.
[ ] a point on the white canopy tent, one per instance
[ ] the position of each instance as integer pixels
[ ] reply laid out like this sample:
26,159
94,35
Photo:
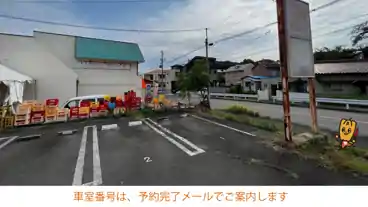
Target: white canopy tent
15,81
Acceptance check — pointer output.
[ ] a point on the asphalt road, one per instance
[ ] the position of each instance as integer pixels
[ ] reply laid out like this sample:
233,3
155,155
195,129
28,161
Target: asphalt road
328,119
174,151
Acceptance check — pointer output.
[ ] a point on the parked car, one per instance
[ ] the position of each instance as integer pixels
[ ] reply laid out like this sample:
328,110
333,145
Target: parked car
76,101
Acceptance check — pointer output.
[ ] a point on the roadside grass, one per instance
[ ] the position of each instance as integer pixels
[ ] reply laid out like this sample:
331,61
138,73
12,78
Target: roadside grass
322,146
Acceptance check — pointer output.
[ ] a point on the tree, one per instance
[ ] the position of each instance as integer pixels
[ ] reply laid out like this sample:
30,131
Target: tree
196,80
247,61
337,53
359,33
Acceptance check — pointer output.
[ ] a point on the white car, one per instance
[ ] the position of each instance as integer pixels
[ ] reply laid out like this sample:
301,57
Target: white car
76,101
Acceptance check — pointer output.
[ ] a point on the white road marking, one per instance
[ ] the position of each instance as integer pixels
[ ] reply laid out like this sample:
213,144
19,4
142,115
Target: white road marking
198,150
109,127
78,172
97,174
10,140
135,123
4,138
180,146
93,183
147,159
223,125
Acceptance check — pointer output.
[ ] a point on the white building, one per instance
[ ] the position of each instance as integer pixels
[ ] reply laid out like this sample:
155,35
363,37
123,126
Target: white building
167,77
64,66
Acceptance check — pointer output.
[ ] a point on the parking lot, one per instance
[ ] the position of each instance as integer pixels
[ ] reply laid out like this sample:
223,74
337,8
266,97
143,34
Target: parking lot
172,150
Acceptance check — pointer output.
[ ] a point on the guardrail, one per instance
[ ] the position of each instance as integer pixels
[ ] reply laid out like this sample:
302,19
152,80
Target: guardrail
346,102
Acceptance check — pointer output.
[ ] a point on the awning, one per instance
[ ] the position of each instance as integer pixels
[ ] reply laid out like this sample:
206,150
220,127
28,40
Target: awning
15,81
7,74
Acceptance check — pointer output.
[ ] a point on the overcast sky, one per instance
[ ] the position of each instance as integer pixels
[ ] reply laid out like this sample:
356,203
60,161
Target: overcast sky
222,17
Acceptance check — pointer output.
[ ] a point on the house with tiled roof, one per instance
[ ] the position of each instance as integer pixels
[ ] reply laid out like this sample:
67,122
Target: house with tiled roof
336,77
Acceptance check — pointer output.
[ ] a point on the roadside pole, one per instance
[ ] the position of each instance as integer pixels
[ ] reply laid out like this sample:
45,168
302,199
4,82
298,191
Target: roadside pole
284,68
162,70
312,104
208,68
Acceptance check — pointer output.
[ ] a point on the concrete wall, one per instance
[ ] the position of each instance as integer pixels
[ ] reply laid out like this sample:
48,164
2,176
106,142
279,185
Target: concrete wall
94,78
54,78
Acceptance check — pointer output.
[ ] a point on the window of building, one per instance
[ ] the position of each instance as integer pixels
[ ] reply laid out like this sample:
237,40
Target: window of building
161,76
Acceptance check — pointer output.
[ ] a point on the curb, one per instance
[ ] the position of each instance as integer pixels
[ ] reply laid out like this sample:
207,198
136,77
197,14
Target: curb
67,132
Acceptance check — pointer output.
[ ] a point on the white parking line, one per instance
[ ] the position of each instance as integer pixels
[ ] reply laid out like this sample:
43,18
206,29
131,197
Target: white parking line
180,146
78,172
4,138
198,150
97,174
223,125
10,140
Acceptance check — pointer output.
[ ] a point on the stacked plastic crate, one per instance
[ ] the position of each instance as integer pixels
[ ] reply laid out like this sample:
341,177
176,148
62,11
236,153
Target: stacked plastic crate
37,113
51,110
23,114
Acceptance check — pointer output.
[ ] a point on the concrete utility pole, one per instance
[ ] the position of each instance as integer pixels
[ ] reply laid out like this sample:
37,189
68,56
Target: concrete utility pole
208,68
162,70
284,68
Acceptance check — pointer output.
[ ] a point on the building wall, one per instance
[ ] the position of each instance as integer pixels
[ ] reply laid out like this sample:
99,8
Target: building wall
231,78
94,78
261,70
170,75
336,88
54,78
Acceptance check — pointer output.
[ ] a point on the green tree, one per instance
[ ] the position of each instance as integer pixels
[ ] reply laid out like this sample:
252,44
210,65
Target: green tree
196,80
246,61
359,33
337,53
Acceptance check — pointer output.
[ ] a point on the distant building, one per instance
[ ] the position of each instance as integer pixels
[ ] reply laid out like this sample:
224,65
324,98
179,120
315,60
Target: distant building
342,77
166,79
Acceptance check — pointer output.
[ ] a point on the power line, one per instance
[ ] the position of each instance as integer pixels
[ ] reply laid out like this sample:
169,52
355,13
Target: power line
94,2
324,6
316,37
186,54
98,28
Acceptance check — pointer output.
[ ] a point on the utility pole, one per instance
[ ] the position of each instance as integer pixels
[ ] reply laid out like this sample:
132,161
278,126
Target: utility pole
312,104
283,50
162,70
208,69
